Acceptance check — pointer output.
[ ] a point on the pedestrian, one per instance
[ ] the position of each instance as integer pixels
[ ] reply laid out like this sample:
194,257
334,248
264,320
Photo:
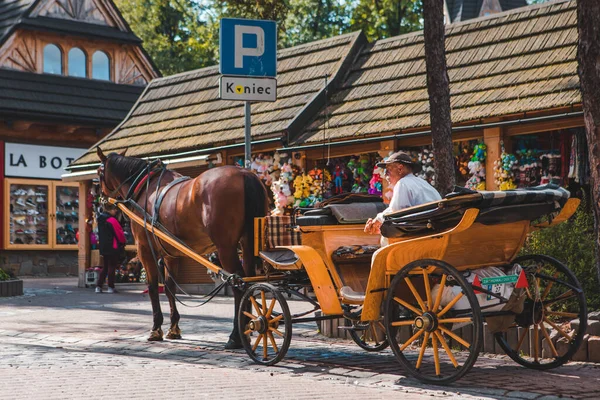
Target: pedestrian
409,190
112,240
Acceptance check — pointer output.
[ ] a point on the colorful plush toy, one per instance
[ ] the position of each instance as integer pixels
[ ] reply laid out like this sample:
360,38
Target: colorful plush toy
477,168
339,175
375,184
504,170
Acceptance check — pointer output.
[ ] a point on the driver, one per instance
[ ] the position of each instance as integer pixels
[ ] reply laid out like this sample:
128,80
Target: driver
409,190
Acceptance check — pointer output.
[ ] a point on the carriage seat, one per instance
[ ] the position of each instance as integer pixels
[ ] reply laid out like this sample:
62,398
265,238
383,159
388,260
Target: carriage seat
333,214
349,296
281,258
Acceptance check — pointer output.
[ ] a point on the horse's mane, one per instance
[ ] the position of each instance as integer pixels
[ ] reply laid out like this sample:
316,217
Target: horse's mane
123,167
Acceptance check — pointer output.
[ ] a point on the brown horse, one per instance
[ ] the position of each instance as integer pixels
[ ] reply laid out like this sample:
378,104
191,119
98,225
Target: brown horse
214,211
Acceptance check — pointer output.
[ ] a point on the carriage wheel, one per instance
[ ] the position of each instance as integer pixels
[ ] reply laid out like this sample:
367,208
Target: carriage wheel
265,324
433,321
554,297
369,336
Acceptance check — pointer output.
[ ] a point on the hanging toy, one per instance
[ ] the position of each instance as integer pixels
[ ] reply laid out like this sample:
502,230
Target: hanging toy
477,168
375,184
339,176
504,170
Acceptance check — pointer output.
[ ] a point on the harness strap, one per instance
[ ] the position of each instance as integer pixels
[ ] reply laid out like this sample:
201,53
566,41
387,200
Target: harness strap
161,197
142,178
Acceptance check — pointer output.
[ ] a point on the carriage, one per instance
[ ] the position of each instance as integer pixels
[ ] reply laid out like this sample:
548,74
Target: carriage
448,268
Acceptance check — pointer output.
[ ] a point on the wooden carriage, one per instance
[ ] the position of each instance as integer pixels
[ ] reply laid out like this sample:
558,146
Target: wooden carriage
421,293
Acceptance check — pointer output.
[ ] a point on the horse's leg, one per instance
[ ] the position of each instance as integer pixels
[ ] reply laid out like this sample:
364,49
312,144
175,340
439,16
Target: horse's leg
231,263
152,276
170,290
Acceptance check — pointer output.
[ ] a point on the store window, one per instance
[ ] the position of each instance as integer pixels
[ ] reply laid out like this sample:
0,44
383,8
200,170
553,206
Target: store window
100,66
41,214
77,63
52,59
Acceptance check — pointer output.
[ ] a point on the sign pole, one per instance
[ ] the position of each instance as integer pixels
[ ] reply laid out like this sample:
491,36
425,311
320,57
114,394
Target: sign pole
248,138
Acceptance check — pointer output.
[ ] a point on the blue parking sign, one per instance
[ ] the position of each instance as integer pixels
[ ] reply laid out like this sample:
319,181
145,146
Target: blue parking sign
248,47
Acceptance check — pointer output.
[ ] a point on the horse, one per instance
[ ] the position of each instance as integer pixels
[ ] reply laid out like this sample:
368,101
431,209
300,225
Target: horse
212,212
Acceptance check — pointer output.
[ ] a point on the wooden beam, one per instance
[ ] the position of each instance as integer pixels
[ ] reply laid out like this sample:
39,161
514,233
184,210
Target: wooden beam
84,248
492,138
524,129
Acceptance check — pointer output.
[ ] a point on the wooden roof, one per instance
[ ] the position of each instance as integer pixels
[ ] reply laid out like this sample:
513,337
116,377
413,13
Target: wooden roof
11,12
64,99
183,111
521,60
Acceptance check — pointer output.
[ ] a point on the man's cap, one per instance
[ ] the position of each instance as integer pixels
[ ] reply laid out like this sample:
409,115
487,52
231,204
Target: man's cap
400,157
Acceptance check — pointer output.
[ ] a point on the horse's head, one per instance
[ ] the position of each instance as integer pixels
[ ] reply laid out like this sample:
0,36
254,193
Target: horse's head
116,171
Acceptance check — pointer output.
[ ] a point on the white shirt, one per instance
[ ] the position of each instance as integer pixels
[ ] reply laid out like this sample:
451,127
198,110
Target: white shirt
409,191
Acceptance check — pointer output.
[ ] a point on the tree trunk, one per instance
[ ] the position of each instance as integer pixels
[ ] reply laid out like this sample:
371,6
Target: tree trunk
438,88
588,58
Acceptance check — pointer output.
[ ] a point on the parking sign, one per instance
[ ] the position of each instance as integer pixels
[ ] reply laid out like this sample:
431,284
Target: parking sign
248,47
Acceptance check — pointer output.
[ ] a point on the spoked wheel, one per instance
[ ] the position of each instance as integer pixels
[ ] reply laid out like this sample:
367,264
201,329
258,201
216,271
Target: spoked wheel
439,308
554,297
369,336
265,324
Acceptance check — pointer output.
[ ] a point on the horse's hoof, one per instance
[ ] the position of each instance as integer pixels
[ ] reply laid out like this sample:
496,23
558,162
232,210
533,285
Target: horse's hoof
174,334
233,345
156,336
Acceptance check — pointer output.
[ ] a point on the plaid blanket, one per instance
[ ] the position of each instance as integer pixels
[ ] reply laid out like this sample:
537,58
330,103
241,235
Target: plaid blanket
280,232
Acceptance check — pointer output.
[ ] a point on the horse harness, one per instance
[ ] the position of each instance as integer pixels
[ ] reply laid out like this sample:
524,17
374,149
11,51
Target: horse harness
142,179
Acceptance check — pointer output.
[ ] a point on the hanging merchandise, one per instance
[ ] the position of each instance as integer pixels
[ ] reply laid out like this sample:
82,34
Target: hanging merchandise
477,167
339,176
462,157
550,168
375,184
282,177
504,175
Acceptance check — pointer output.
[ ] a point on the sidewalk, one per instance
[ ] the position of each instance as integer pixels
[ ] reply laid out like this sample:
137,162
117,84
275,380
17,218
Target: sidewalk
64,342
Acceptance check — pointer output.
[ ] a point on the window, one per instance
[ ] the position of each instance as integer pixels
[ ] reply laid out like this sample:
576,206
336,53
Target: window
52,59
100,66
77,61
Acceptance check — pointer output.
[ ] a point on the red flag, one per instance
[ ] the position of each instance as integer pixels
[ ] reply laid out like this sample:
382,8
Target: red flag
476,283
522,281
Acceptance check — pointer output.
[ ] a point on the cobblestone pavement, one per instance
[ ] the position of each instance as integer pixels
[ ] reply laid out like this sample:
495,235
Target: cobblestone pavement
63,342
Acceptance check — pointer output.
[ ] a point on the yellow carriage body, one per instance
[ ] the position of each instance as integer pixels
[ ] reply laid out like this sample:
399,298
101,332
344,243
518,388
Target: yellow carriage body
467,245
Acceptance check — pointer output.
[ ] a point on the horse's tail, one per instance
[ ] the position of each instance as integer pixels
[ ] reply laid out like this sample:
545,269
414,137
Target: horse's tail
255,204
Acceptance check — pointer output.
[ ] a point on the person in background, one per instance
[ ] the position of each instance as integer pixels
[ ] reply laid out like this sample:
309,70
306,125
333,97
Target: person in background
409,190
111,238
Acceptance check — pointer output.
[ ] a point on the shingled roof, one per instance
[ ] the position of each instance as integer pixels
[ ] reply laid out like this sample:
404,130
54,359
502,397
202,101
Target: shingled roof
64,99
521,60
11,12
183,111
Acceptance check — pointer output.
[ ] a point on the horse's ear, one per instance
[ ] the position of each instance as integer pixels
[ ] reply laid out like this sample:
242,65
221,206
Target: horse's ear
123,152
101,155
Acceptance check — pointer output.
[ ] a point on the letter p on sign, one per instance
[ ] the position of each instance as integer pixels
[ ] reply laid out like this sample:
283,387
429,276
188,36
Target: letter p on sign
241,51
248,47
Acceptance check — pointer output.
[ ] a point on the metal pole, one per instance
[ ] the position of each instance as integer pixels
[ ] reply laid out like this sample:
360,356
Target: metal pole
248,146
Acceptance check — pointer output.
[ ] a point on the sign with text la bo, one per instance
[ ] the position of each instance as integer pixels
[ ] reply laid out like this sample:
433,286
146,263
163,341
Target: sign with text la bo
32,161
248,47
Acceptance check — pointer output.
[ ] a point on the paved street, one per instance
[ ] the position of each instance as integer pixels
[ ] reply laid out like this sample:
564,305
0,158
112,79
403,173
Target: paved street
63,342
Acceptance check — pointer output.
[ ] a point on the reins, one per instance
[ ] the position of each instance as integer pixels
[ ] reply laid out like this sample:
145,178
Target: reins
142,179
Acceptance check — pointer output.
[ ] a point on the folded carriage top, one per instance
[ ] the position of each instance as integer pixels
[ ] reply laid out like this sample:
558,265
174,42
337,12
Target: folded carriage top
496,207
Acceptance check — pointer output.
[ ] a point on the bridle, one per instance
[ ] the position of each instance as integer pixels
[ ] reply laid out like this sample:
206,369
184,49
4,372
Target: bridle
137,179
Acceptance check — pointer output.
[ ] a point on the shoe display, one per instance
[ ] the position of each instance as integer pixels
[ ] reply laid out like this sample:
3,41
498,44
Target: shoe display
29,218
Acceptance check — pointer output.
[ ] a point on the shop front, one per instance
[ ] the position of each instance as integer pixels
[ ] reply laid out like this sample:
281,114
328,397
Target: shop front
40,213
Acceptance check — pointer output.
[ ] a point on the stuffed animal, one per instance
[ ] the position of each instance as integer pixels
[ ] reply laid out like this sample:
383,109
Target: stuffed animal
339,175
375,184
504,170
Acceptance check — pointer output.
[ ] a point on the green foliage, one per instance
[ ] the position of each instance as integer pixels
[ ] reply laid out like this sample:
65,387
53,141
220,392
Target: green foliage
178,34
572,242
379,19
182,35
4,276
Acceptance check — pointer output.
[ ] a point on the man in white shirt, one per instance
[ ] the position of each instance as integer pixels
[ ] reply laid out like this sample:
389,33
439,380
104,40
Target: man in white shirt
408,189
